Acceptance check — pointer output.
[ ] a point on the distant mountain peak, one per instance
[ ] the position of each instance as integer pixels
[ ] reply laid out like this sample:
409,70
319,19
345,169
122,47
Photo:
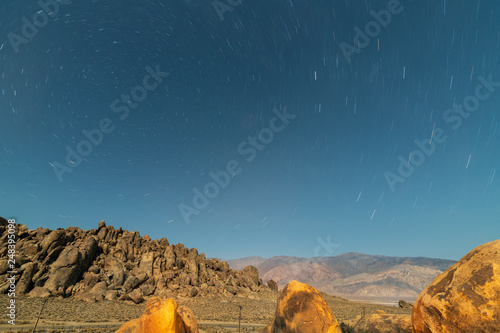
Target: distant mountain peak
351,273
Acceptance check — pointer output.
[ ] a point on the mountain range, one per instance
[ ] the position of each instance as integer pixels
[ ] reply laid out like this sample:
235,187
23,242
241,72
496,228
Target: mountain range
351,274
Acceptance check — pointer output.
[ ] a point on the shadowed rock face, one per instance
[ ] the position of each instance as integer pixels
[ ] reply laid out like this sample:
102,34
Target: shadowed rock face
109,263
302,309
465,298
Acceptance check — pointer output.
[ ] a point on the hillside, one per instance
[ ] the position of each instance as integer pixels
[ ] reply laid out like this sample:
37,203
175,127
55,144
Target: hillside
114,264
354,274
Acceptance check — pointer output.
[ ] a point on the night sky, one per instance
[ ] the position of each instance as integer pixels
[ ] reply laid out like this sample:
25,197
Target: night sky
256,128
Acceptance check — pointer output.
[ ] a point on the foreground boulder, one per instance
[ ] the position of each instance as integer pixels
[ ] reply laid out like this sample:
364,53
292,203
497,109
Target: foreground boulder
465,298
162,315
302,309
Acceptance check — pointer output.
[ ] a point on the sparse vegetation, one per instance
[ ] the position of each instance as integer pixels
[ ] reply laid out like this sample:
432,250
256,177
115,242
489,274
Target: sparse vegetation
346,328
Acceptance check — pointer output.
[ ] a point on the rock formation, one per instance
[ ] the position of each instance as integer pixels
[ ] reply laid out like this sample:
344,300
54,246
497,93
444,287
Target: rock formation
162,315
381,322
272,284
302,309
404,304
109,263
465,298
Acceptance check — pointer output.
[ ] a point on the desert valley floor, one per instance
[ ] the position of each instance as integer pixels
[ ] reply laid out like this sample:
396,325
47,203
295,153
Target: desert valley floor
214,314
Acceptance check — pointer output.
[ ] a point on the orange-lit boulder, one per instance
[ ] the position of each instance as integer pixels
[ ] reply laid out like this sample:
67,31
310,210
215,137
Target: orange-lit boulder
131,326
162,315
465,298
302,309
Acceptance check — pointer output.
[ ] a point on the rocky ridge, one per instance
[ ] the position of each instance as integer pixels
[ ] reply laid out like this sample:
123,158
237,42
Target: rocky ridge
109,263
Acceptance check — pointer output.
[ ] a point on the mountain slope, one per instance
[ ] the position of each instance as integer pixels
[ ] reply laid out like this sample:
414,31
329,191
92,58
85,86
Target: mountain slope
353,274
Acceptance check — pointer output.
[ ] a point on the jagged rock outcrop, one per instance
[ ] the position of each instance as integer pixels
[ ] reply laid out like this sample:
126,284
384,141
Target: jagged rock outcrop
465,298
109,263
302,309
272,284
162,315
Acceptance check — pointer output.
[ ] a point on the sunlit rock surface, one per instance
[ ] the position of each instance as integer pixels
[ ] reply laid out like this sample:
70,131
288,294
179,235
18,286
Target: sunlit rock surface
465,298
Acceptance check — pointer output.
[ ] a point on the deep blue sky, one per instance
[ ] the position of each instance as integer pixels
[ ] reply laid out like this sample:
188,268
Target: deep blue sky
322,176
